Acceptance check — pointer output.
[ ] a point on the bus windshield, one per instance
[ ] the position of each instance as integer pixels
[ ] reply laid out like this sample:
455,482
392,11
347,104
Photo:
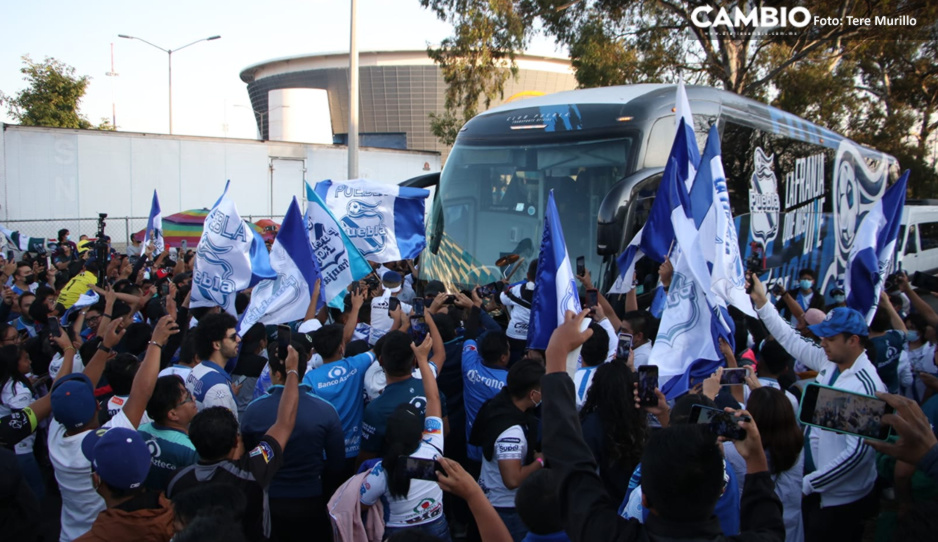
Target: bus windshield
491,201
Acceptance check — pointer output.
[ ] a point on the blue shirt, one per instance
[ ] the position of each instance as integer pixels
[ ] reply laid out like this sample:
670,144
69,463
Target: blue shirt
481,383
378,411
342,383
316,435
170,450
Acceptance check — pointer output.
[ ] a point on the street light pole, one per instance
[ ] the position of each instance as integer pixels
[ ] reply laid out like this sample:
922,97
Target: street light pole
353,96
169,53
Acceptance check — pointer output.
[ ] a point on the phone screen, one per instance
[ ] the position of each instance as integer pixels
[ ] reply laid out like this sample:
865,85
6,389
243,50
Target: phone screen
185,245
420,469
393,304
592,297
844,412
722,424
647,382
581,266
284,336
418,308
733,377
54,329
624,346
10,256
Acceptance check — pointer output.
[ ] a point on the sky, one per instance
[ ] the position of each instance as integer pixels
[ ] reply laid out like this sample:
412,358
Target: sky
209,98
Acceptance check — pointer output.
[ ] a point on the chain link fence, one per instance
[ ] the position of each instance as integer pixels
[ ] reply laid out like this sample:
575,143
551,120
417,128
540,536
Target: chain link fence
119,228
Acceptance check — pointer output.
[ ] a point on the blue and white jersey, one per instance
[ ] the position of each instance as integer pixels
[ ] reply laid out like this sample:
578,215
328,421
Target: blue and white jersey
582,381
210,385
480,383
170,450
342,383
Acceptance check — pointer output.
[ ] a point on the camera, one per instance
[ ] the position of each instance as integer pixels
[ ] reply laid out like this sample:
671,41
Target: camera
102,250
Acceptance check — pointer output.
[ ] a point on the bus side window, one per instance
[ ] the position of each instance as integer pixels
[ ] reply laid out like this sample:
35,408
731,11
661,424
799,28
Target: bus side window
911,244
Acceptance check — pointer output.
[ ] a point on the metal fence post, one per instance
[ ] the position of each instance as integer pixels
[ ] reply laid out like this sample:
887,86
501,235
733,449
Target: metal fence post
127,229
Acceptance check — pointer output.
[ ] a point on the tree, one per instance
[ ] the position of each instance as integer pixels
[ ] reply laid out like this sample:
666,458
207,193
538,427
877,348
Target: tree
51,97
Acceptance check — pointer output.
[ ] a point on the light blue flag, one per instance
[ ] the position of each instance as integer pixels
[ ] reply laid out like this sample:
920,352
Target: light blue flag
555,289
871,256
154,228
384,221
230,257
285,298
341,263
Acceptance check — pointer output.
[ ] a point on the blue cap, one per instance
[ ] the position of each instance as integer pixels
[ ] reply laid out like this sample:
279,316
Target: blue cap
841,320
118,455
73,402
391,278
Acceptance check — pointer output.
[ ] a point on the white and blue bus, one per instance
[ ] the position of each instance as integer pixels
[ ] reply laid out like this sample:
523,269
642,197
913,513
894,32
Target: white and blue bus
796,189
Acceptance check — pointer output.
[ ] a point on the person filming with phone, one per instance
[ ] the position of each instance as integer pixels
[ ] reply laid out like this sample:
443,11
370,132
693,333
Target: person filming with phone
839,469
413,499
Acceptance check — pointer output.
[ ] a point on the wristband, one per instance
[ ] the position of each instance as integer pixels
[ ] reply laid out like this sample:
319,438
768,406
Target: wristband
293,372
540,460
67,348
154,343
104,348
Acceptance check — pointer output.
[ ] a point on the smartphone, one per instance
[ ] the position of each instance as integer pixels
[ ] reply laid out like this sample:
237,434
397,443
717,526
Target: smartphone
393,304
418,308
844,412
10,256
777,289
733,377
581,266
416,468
647,382
54,329
624,347
722,424
184,245
450,299
164,289
925,281
284,337
241,380
592,297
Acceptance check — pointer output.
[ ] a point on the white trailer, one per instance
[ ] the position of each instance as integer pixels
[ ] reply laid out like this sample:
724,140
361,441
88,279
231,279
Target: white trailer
60,175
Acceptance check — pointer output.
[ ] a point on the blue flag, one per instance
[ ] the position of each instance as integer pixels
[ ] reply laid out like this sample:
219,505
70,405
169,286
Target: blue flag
555,289
341,263
154,228
871,256
230,257
285,298
384,221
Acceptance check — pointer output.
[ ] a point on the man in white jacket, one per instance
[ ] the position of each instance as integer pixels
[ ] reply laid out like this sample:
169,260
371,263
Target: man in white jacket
840,469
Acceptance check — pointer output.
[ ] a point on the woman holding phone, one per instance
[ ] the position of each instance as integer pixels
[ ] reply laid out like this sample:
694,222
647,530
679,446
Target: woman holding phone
16,393
405,480
783,443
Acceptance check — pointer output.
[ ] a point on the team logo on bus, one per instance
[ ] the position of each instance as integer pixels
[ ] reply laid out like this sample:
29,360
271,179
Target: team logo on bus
363,220
764,204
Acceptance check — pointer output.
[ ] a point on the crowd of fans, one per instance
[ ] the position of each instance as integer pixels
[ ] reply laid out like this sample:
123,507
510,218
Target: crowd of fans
416,412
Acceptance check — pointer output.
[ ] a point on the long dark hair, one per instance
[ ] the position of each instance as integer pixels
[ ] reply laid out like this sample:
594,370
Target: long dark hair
781,436
625,428
404,431
10,367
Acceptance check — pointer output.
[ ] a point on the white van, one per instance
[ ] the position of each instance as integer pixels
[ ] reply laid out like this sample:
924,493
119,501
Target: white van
917,246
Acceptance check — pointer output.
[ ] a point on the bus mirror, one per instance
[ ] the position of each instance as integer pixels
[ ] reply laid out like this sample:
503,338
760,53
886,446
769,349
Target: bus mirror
615,210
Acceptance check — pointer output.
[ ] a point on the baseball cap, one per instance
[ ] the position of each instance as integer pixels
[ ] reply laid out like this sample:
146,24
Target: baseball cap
814,317
73,403
84,246
392,281
118,455
433,288
841,320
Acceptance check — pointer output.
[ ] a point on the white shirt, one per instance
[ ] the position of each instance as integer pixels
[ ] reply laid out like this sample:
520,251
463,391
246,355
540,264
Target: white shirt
582,381
81,504
511,444
56,365
641,355
376,379
116,404
179,370
518,324
380,321
16,396
424,501
922,359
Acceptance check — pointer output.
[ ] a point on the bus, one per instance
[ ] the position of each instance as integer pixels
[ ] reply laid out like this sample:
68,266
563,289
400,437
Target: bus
797,191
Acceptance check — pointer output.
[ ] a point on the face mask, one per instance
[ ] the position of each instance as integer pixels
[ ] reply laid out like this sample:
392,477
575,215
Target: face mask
30,279
806,284
912,335
840,299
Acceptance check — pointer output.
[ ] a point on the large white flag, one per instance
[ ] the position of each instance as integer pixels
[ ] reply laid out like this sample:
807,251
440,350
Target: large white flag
285,298
231,257
154,230
339,261
384,221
